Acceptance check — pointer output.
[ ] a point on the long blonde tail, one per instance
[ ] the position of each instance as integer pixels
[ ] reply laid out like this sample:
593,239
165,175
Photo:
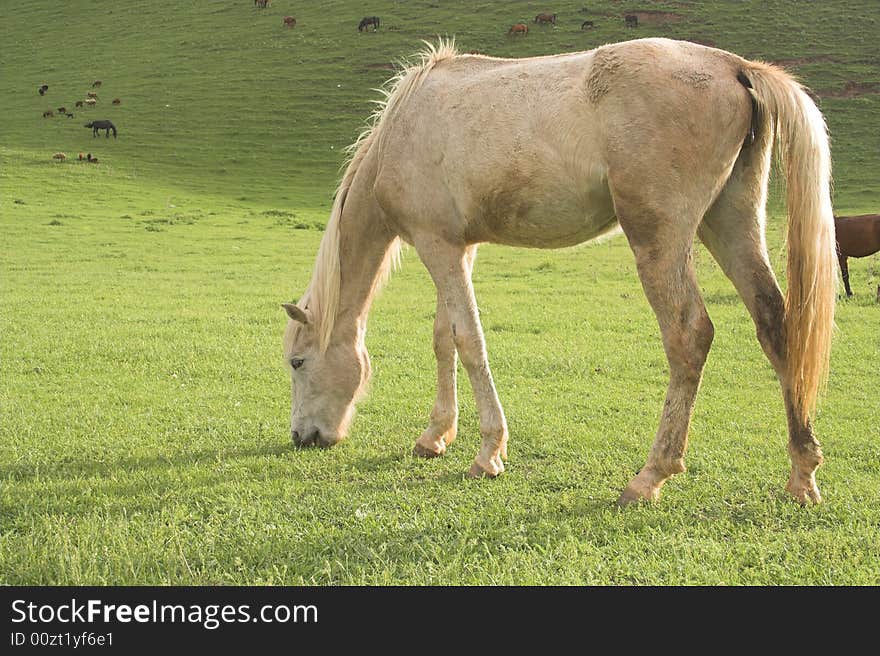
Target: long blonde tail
801,145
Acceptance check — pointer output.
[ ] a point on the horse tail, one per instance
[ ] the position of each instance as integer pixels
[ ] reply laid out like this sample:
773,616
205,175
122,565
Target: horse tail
113,127
786,113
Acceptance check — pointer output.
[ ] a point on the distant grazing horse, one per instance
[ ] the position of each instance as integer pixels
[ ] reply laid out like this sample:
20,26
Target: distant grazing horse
117,101
587,24
59,156
261,3
289,21
684,159
79,103
62,110
43,89
367,21
91,94
48,113
857,236
631,20
546,18
518,28
96,83
101,125
91,101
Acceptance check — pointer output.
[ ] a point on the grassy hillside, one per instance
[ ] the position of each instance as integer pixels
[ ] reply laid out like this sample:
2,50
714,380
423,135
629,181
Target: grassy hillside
143,405
220,98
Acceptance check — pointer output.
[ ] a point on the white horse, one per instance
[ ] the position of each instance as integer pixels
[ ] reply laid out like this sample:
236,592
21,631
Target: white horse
667,139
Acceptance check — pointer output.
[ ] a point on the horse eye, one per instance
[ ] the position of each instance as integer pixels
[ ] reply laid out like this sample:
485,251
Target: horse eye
296,363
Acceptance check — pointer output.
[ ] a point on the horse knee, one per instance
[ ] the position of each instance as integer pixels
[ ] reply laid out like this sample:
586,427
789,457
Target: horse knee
469,345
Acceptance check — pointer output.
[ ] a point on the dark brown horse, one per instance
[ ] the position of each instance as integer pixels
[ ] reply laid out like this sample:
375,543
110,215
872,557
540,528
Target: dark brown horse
289,21
857,236
519,28
546,18
367,21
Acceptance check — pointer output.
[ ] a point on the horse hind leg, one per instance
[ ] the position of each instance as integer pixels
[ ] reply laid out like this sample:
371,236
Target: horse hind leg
733,231
444,416
844,272
664,258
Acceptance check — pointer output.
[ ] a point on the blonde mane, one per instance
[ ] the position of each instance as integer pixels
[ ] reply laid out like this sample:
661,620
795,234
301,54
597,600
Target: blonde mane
321,297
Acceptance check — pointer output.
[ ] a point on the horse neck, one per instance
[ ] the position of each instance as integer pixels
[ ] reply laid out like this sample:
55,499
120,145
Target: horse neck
365,242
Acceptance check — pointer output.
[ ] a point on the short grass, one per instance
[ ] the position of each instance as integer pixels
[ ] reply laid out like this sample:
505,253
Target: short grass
144,437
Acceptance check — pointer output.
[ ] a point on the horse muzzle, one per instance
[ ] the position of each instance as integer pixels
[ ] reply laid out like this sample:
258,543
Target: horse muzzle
313,437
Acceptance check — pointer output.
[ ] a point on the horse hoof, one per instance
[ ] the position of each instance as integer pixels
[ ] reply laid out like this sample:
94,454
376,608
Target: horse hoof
805,495
629,496
421,451
490,470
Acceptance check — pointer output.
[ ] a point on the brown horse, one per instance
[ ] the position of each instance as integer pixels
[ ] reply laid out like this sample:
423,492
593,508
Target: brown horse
546,18
289,21
519,28
857,236
368,21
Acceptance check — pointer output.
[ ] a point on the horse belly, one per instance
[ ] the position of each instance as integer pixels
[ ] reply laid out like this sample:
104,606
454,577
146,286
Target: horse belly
552,217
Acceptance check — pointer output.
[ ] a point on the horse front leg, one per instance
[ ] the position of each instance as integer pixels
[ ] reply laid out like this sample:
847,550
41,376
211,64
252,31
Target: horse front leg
444,417
450,267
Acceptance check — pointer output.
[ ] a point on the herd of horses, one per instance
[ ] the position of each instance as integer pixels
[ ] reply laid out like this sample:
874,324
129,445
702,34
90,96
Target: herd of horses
630,20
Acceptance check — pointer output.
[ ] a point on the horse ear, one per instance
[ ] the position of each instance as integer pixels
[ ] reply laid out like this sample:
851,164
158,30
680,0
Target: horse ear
295,312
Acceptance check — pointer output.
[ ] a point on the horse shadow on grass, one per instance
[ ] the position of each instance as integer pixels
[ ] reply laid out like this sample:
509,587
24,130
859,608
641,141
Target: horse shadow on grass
66,469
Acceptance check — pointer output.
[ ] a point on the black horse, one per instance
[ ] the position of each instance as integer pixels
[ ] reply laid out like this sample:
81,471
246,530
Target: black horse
367,21
43,89
102,125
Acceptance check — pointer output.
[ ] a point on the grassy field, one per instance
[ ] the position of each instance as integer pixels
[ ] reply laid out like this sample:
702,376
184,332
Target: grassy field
144,427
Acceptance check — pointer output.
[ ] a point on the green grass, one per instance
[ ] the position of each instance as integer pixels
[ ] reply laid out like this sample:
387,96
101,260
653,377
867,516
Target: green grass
144,436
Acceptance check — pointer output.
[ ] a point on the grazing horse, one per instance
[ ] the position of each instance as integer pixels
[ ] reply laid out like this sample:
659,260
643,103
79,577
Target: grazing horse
632,137
59,156
545,18
96,83
856,236
261,3
79,103
117,101
48,113
92,94
631,20
518,28
42,89
91,101
62,110
289,21
587,24
101,125
367,21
